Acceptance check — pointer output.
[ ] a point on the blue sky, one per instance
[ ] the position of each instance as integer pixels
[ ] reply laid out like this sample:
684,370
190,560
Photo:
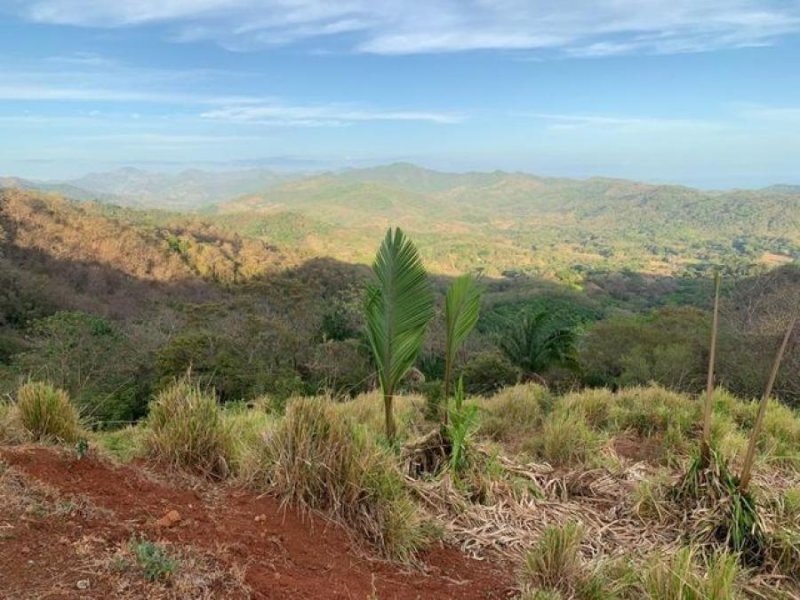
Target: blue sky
701,92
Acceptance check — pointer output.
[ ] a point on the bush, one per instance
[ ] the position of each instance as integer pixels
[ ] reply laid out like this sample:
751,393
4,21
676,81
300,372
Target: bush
320,460
46,414
186,430
488,372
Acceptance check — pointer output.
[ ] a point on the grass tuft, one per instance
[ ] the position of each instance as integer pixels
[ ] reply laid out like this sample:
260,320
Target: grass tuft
46,414
186,430
321,460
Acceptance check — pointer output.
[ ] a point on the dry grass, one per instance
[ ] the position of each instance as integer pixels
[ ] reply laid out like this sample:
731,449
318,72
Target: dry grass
186,430
319,459
44,414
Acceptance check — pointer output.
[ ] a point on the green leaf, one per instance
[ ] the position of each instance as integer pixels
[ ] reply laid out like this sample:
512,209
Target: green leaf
461,310
398,309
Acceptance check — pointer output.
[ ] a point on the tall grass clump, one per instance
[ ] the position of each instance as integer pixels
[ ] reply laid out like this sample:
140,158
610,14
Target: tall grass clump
554,567
565,439
320,460
513,415
45,414
677,577
186,430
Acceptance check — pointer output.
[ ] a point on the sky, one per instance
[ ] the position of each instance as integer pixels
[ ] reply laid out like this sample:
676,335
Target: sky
698,92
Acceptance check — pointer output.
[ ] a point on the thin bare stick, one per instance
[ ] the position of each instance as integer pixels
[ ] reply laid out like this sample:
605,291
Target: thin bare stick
747,467
705,449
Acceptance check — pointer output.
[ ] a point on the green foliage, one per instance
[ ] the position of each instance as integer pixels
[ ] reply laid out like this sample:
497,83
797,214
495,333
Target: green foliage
538,341
46,414
186,430
463,421
461,310
397,310
667,347
319,459
487,372
213,359
91,358
154,559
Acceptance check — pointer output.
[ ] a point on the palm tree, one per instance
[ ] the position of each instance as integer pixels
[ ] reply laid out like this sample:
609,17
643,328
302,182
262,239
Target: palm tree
398,309
461,309
538,341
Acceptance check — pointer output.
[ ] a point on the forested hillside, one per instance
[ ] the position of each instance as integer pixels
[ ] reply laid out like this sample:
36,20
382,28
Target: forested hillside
254,304
513,223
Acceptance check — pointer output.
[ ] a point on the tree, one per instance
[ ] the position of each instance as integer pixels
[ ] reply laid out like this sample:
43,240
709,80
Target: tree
398,309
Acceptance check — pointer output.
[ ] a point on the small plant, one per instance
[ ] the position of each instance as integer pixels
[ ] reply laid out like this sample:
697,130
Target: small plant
154,560
461,309
46,413
398,310
82,448
462,423
186,430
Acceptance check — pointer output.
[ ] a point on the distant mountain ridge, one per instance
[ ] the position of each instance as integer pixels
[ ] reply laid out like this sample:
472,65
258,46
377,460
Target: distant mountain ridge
187,190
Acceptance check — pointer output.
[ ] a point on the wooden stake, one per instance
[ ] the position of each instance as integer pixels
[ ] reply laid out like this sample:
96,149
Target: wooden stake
705,448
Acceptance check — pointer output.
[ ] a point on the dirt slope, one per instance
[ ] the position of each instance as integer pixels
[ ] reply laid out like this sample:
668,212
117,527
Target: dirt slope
84,511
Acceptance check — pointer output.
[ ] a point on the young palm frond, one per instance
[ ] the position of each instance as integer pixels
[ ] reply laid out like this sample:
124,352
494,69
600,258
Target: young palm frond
398,310
461,310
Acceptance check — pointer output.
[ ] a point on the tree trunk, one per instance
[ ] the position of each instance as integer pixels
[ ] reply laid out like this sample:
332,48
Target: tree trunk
391,429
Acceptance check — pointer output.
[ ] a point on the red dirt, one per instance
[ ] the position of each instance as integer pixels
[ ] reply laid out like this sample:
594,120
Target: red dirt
285,554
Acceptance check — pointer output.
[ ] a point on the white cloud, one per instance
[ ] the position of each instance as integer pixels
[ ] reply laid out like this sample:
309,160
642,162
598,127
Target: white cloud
574,27
577,121
321,116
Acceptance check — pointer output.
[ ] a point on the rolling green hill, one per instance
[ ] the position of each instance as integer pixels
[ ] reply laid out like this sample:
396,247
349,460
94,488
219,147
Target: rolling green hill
507,223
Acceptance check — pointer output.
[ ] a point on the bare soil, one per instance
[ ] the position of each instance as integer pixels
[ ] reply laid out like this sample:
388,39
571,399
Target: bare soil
81,513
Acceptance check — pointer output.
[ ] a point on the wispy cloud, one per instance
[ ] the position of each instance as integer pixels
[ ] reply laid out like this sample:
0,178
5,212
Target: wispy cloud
577,28
576,121
321,116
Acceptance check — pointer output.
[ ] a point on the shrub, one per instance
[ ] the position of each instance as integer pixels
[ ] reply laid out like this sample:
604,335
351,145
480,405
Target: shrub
320,460
487,372
186,430
46,414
